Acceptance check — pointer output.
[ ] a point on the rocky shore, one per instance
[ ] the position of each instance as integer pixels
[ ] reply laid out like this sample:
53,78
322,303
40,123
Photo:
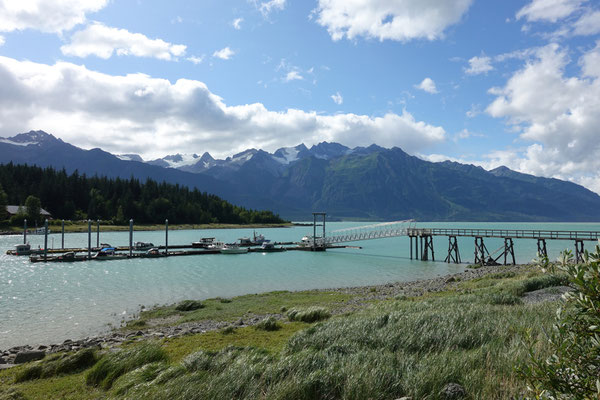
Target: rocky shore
362,295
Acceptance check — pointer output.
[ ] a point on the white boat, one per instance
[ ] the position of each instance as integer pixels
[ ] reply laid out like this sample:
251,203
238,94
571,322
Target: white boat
268,247
229,249
203,243
143,246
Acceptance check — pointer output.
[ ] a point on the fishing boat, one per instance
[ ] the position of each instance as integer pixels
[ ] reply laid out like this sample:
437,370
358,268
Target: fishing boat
143,246
233,249
203,243
268,247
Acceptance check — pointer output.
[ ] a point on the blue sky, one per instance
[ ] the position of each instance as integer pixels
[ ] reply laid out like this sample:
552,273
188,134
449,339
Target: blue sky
492,83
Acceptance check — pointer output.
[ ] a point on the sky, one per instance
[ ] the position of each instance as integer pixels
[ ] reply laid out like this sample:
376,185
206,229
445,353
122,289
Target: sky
490,83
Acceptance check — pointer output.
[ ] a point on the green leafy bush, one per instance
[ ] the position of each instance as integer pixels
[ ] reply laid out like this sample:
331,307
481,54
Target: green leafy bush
572,370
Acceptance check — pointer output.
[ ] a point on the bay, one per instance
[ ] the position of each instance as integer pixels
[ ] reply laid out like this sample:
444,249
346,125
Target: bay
48,303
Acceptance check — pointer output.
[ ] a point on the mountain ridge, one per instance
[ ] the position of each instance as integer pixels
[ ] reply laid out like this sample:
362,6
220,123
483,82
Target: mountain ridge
364,182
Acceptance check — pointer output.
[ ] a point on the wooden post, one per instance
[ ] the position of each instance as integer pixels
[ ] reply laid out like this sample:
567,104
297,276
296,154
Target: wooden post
62,246
541,245
166,237
98,233
509,250
410,245
25,231
453,252
579,252
46,240
89,239
130,237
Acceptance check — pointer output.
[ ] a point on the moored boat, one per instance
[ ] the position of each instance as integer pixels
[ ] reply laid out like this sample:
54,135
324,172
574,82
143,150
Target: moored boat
143,246
108,253
268,247
203,243
232,249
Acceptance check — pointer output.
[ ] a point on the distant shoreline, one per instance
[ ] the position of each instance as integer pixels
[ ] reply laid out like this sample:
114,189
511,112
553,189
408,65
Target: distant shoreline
83,227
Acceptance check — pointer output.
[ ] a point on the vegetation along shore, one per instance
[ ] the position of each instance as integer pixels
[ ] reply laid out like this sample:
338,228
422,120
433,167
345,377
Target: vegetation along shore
483,333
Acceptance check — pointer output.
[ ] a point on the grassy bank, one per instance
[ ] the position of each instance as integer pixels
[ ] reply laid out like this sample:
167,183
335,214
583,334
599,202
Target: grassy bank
385,348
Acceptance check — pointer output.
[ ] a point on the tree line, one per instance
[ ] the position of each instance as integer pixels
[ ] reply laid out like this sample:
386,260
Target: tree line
78,197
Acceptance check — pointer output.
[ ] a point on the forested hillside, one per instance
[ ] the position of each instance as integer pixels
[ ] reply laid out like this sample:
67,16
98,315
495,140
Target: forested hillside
77,196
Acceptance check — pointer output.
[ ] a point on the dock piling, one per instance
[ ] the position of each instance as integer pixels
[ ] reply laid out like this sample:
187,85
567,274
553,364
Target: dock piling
62,242
166,237
97,233
541,248
131,237
89,239
25,231
453,252
46,240
579,252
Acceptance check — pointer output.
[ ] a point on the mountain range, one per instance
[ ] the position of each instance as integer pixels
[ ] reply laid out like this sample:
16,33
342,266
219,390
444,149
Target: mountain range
372,182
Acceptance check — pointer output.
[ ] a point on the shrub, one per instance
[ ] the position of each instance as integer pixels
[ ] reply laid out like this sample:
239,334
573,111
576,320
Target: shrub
113,365
268,324
312,314
572,370
228,330
189,305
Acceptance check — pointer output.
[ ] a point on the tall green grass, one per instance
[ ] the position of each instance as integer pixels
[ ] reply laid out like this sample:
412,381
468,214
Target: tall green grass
113,365
58,364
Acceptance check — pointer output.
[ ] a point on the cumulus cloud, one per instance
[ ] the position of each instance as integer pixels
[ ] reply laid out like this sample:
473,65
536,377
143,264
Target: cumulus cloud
53,16
337,98
266,7
195,59
400,20
558,114
237,23
224,54
293,76
1,40
588,24
548,10
479,65
104,41
140,114
427,85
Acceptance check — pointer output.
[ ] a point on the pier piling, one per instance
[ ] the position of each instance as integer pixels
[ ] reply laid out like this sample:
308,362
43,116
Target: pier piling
62,236
130,237
46,240
166,237
25,231
89,239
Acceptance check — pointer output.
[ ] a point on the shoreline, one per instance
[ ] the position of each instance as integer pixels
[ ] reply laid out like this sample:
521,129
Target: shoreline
361,297
83,228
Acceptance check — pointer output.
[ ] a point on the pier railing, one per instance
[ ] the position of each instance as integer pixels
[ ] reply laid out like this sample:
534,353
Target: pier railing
367,232
506,233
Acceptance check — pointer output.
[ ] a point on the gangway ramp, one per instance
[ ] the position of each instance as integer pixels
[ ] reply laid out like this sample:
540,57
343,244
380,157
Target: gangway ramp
367,232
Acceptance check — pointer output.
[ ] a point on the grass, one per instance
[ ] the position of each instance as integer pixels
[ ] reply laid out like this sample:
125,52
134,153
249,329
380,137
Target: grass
312,314
113,365
241,307
57,364
189,305
268,324
412,347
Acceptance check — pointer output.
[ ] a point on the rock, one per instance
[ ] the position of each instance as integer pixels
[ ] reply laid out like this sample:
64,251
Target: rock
41,347
2,360
240,322
27,356
453,391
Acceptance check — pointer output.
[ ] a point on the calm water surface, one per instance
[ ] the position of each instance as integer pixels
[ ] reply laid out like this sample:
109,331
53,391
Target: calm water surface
48,303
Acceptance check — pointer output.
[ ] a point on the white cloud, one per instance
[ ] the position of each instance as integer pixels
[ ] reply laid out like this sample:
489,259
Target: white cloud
588,24
558,114
266,7
548,10
195,59
224,54
400,20
136,113
53,16
103,41
2,41
293,76
237,23
427,85
479,65
337,98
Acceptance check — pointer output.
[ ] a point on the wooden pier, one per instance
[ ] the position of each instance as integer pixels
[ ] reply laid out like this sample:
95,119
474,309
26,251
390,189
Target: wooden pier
421,243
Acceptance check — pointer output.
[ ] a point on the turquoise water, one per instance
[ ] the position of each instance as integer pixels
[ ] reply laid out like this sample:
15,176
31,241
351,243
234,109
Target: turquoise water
48,303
